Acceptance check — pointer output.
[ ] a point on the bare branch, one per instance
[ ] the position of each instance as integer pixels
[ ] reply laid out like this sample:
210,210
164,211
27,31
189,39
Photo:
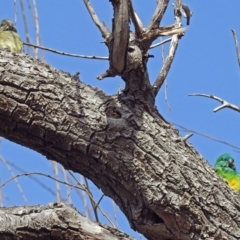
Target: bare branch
236,46
185,138
166,66
160,43
136,20
158,14
172,48
206,136
36,24
66,54
170,31
105,32
225,104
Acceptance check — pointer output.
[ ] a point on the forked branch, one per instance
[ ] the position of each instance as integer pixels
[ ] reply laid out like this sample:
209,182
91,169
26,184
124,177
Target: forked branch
158,14
224,104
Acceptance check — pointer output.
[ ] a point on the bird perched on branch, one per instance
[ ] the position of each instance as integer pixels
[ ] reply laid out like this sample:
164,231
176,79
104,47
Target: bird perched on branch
9,37
225,167
187,13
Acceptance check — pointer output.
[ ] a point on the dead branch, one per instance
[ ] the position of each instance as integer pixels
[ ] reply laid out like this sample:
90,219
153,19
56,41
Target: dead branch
158,15
206,136
166,66
66,54
103,29
225,104
136,20
236,46
160,43
171,53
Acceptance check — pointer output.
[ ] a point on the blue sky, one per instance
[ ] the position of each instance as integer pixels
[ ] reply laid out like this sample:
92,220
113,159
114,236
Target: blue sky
205,63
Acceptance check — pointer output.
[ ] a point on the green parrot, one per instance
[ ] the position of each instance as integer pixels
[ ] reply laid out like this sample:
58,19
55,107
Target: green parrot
9,37
225,167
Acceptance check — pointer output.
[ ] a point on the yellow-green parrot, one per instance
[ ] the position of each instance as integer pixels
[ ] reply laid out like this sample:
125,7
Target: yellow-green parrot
9,37
225,167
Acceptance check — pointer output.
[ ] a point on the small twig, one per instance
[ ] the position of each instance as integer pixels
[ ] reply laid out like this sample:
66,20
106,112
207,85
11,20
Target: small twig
58,189
105,32
36,24
15,12
85,189
45,187
136,20
185,138
100,199
160,43
236,46
115,213
206,136
42,174
68,189
25,24
225,104
66,54
93,203
15,179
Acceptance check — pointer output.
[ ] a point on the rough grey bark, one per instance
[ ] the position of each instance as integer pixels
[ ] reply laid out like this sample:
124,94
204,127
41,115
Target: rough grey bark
54,221
164,187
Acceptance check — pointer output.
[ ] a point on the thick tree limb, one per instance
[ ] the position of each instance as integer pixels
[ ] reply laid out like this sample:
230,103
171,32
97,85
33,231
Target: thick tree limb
54,221
225,104
164,187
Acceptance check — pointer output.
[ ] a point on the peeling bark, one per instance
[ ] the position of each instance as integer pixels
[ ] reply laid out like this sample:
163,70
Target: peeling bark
164,187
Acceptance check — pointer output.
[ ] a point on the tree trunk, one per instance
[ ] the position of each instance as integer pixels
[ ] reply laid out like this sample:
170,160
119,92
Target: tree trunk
161,183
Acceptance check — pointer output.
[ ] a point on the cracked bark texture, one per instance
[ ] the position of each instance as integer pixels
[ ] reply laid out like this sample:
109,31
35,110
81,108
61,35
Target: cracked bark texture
161,183
54,221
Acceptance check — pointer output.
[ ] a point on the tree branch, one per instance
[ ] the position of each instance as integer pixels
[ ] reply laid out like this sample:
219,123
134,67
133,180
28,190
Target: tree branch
225,104
166,66
163,186
53,221
171,53
64,53
158,15
160,43
236,45
103,29
136,20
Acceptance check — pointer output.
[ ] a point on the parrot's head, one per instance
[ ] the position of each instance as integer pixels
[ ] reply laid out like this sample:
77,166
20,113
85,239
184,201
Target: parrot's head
7,25
226,162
